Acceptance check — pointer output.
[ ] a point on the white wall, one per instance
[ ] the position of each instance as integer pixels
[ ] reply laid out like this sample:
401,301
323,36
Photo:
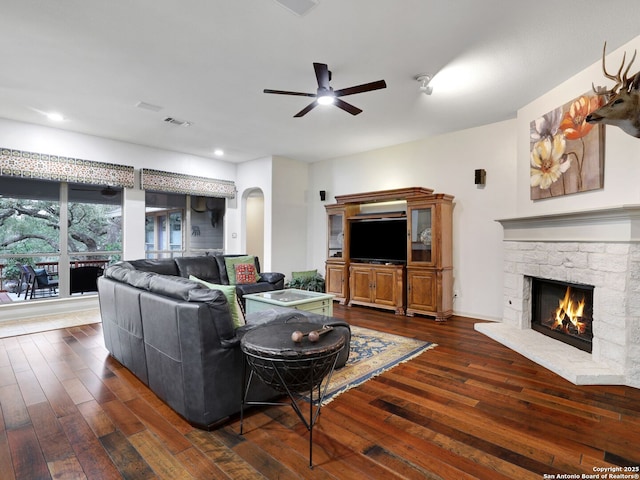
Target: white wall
255,224
38,139
446,164
251,175
34,138
290,201
622,151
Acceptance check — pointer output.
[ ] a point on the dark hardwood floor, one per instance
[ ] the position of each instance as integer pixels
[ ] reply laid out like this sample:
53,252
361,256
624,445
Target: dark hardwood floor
469,408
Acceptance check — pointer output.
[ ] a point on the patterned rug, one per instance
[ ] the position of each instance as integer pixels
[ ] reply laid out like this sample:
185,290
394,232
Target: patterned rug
372,353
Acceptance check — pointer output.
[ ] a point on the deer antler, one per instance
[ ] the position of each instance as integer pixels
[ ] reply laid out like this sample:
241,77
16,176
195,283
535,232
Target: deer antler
622,107
621,79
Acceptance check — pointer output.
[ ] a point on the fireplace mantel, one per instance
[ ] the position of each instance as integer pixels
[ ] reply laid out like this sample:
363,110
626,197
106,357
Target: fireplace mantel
613,224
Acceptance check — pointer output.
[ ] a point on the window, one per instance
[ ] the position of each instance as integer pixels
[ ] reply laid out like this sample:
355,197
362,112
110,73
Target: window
164,224
171,230
31,231
207,224
95,225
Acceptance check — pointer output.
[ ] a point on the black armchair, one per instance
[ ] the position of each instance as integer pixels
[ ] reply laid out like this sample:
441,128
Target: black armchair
39,280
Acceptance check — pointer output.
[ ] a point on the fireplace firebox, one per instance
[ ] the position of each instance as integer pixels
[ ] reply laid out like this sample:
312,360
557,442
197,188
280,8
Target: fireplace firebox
563,311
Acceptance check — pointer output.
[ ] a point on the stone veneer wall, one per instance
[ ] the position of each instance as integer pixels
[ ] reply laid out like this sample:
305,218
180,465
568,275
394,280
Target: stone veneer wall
613,268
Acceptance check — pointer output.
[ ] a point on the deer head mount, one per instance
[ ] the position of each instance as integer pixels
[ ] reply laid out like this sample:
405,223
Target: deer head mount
622,107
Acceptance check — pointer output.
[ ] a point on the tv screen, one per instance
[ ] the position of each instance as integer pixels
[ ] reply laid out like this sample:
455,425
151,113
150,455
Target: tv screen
383,240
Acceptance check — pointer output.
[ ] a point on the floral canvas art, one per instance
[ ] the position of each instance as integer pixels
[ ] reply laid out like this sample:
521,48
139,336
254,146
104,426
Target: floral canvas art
567,154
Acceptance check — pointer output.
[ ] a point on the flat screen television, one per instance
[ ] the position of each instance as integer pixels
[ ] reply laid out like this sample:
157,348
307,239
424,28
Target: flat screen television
379,240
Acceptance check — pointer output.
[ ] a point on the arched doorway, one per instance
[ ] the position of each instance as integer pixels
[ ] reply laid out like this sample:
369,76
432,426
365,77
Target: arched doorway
254,222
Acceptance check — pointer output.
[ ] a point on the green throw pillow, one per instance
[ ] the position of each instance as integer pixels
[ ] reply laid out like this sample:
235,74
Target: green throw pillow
306,275
230,292
231,262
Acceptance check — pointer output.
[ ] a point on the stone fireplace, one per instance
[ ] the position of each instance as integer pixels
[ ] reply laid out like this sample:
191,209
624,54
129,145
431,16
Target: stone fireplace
598,250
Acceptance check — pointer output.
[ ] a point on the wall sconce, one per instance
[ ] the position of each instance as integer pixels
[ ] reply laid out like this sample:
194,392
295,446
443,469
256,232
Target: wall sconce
423,83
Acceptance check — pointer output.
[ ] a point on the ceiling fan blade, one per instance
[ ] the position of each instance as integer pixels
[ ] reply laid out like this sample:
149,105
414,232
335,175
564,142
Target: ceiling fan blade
365,87
347,107
322,74
306,109
285,92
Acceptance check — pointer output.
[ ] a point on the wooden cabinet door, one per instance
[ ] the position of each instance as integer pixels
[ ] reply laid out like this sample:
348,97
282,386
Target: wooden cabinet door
422,290
384,287
360,284
335,280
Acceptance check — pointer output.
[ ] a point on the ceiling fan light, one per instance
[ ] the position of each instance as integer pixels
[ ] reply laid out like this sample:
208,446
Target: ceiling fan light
326,99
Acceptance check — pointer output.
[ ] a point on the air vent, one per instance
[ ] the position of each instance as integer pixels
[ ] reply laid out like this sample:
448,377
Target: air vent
148,106
180,123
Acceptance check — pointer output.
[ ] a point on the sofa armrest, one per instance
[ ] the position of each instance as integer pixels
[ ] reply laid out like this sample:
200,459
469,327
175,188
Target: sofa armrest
272,277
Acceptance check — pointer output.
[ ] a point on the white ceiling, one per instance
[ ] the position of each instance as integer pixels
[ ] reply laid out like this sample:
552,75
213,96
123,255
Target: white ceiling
207,62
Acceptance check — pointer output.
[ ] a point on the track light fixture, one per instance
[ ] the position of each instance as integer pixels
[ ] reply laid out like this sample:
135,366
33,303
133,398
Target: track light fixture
423,83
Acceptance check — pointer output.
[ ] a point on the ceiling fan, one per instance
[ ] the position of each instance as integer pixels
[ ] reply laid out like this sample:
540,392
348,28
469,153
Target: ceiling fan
327,95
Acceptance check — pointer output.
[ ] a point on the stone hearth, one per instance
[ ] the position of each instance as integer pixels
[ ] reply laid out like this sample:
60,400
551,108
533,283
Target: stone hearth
597,247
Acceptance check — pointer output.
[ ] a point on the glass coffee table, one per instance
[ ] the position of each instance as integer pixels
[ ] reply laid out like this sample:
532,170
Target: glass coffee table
315,302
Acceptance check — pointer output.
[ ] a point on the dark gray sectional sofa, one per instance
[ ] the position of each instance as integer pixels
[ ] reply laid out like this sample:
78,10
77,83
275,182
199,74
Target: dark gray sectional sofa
177,336
211,269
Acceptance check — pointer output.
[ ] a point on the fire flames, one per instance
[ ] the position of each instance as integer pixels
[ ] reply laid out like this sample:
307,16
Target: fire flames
569,315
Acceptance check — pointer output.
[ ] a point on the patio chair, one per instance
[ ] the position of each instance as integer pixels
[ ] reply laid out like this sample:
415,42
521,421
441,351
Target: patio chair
39,280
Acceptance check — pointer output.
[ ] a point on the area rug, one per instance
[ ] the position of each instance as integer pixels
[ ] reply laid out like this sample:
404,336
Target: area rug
372,353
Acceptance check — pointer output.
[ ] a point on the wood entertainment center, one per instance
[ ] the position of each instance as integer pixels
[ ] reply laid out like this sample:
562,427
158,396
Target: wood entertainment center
392,249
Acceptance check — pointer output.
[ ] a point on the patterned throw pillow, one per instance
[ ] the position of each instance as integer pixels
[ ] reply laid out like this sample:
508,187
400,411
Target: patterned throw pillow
245,273
231,262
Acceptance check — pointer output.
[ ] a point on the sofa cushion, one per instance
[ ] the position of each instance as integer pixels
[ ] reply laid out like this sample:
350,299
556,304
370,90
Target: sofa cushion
180,288
204,268
246,273
164,266
231,262
229,291
119,271
139,279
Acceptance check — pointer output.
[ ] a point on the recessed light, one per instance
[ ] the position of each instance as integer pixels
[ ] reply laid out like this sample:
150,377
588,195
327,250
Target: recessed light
55,117
218,152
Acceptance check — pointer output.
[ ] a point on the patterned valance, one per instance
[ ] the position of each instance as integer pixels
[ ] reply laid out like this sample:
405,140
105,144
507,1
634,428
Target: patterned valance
18,163
159,181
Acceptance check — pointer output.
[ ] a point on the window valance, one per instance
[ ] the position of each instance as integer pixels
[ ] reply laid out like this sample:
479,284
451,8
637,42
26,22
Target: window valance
160,181
42,166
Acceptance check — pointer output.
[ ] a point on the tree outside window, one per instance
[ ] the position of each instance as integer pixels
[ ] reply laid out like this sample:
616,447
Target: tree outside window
31,231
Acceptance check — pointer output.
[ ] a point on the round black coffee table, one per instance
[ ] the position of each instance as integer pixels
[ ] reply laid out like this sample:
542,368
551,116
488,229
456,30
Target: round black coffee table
292,367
